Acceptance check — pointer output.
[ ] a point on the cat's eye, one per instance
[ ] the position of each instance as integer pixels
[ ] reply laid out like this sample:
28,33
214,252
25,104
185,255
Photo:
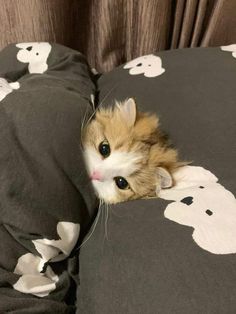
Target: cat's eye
121,183
104,149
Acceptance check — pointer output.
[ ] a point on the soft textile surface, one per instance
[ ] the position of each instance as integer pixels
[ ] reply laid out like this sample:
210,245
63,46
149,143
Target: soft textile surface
46,201
176,254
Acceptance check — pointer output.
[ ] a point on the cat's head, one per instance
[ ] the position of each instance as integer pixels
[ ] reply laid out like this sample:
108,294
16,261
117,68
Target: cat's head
126,155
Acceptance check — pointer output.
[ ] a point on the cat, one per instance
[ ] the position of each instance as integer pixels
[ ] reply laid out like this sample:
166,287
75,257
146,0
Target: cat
126,154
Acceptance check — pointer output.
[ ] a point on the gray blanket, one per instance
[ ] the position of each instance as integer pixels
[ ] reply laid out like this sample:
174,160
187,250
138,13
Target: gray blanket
46,201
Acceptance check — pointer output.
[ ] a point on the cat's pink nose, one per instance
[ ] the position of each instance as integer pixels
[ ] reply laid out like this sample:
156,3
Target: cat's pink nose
96,175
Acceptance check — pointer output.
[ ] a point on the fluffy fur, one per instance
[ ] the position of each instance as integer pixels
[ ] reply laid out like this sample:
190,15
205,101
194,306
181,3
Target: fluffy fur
139,152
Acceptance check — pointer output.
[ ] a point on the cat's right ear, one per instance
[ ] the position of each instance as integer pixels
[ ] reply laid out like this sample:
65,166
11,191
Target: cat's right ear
164,179
129,111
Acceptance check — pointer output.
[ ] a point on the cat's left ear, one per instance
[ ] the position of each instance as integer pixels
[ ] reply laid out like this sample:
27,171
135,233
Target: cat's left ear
164,179
129,111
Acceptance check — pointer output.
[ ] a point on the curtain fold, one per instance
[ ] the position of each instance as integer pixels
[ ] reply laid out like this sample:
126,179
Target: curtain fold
110,32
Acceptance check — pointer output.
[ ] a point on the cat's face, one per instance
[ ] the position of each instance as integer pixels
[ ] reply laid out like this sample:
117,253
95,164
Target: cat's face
125,155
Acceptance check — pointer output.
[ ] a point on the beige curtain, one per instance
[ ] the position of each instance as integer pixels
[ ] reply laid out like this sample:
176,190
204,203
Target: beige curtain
110,32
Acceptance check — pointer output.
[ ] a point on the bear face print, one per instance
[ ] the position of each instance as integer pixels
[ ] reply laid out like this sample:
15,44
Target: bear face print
36,276
205,205
6,88
149,65
231,48
36,54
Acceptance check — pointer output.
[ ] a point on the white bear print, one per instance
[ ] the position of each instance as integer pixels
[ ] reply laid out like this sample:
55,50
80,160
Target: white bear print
149,65
37,277
34,279
202,203
231,48
36,54
6,88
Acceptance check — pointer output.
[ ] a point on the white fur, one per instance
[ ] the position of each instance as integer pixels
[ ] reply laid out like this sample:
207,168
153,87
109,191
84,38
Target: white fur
106,190
36,57
149,65
117,164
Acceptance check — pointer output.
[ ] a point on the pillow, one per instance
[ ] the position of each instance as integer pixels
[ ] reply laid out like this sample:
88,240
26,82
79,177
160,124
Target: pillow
175,254
46,201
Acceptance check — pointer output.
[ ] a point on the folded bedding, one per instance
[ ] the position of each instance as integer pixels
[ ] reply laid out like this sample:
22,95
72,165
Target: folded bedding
175,254
46,201
172,254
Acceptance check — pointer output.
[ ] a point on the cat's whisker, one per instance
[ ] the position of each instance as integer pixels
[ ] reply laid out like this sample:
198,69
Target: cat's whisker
83,122
92,97
108,94
92,115
106,220
92,101
115,214
94,224
100,104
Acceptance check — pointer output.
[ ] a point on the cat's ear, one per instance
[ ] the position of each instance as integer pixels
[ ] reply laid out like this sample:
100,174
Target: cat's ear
164,179
129,111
